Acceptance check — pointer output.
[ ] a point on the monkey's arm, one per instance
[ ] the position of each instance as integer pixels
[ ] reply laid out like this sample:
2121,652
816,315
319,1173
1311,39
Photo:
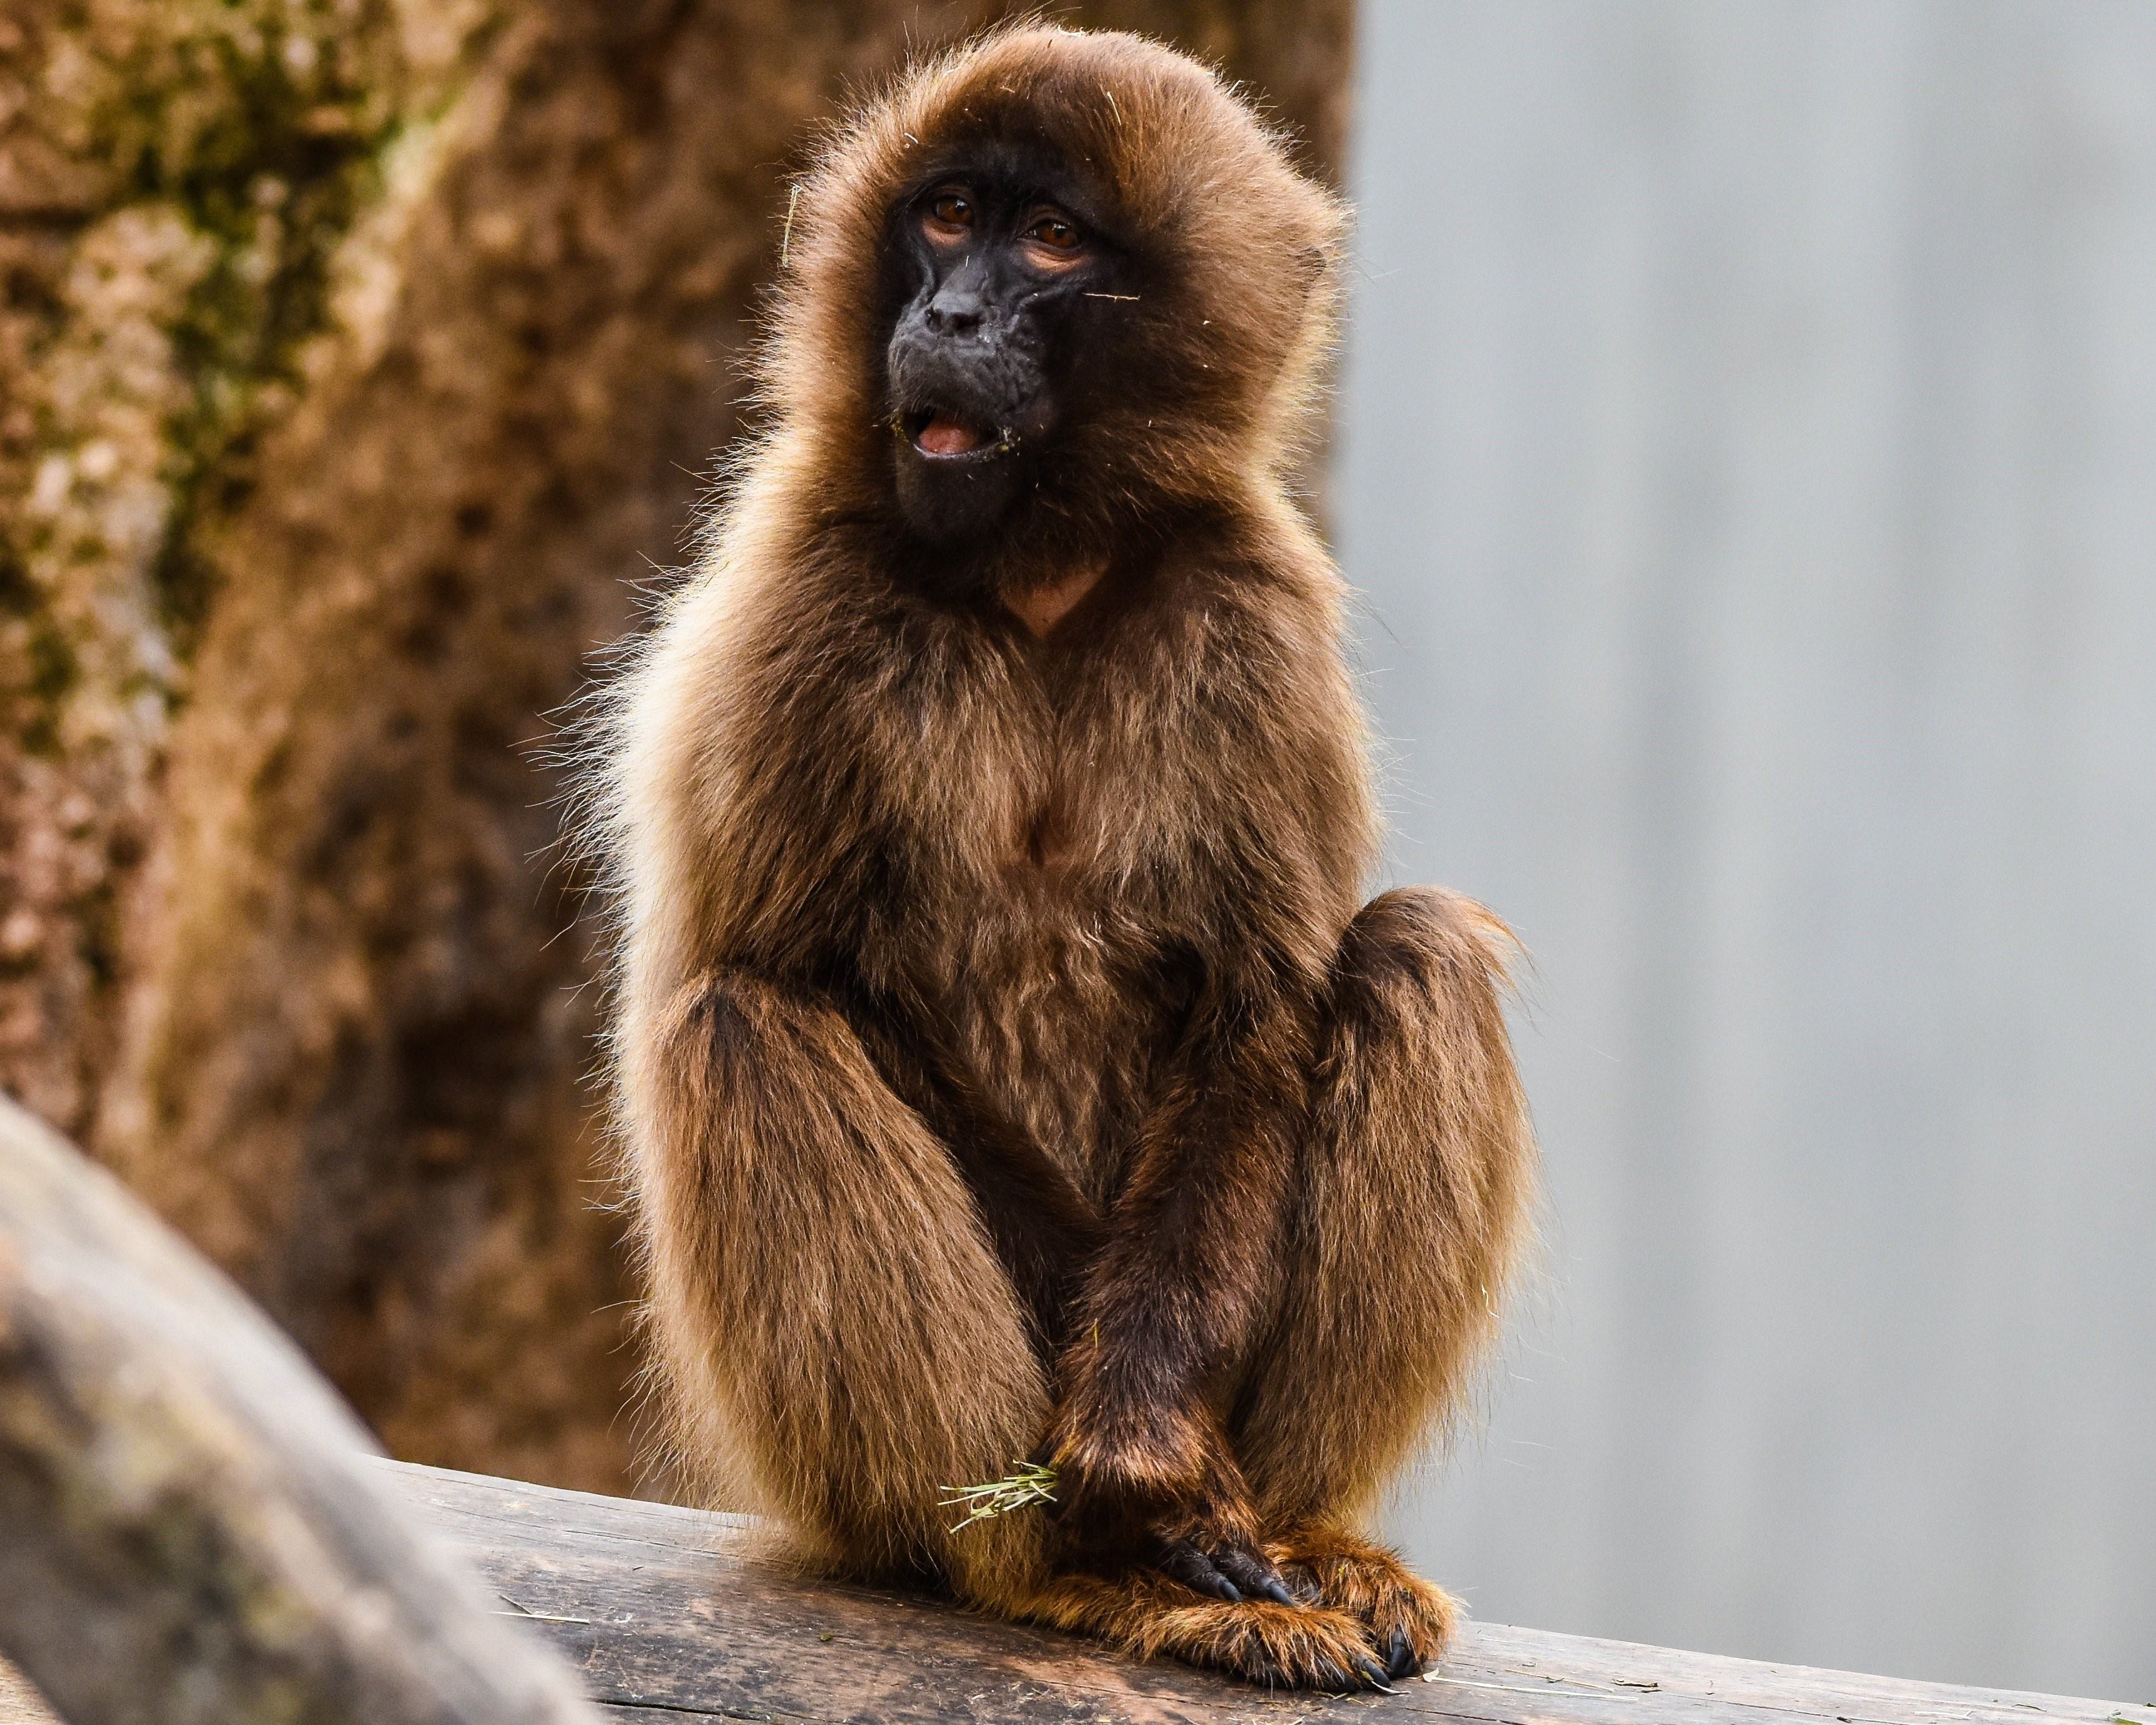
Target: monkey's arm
1276,828
1174,1299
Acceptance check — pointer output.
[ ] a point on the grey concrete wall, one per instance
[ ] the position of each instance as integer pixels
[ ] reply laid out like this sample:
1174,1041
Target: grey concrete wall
1749,459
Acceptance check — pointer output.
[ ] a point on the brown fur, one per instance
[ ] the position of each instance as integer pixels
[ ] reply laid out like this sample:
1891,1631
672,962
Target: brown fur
1008,1065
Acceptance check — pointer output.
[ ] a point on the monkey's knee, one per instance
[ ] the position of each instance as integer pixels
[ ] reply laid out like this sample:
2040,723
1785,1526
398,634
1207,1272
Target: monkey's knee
1418,1118
1414,1095
1417,962
1416,1102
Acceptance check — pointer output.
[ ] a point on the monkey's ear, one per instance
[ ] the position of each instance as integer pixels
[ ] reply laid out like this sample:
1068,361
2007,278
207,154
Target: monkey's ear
1315,264
1316,261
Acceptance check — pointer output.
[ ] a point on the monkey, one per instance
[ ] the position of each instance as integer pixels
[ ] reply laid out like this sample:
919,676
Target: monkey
1008,1066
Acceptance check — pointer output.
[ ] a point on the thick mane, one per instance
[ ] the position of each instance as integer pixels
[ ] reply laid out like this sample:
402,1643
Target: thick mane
1242,252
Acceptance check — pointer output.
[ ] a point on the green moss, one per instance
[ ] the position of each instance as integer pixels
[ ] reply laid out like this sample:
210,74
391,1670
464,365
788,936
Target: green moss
269,140
54,668
53,671
19,594
276,180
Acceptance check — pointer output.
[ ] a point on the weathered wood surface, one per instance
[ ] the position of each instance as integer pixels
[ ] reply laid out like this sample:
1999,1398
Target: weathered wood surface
192,1528
669,1615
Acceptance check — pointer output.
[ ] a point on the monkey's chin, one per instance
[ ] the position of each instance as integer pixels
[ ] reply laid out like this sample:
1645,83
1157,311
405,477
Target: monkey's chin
948,499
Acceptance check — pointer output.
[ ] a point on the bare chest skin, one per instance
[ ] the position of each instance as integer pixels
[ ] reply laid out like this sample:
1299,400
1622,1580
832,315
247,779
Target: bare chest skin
1040,609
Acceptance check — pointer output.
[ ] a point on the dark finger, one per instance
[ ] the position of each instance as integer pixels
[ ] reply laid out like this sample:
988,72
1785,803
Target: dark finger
1254,1575
1400,1658
1190,1566
1373,1674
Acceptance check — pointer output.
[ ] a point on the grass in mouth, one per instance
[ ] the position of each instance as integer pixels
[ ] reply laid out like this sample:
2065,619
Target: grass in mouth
1022,1490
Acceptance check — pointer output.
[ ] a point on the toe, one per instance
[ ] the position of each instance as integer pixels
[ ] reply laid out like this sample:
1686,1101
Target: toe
1257,1578
1191,1567
1401,1659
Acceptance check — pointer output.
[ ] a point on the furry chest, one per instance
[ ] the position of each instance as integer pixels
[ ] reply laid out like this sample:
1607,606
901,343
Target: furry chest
1051,1021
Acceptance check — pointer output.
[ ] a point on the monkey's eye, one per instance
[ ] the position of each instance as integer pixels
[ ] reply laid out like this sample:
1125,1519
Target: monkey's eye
1054,233
950,214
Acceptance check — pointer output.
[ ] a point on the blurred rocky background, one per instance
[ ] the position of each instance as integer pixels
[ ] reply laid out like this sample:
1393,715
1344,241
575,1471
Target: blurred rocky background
359,361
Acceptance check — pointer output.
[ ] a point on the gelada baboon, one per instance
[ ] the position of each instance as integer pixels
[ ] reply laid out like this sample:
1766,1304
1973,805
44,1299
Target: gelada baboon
1009,1066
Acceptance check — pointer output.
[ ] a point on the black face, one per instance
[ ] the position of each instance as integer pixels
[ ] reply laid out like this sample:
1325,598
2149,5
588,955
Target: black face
993,266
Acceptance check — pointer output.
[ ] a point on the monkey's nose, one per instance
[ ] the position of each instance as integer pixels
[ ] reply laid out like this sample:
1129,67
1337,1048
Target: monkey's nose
955,314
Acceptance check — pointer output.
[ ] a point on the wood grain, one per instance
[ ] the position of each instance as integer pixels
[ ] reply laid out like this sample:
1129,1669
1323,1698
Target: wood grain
669,1613
673,1614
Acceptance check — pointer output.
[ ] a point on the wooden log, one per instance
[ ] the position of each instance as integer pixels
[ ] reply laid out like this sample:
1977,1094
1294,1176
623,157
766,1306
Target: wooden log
192,1528
671,1617
19,1704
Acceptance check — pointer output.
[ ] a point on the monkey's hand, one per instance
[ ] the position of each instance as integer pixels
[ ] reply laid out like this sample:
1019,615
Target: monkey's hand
1163,1488
1221,1555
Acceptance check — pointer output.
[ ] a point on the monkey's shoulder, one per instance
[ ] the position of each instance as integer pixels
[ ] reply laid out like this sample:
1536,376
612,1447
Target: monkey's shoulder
1244,632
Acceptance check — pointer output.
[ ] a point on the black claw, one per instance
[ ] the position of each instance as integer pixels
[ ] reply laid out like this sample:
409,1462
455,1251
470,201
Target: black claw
1257,1578
1401,1660
1190,1566
1373,1674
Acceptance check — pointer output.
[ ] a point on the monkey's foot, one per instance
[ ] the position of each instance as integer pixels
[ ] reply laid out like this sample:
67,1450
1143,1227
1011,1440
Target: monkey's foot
1408,1620
1308,1646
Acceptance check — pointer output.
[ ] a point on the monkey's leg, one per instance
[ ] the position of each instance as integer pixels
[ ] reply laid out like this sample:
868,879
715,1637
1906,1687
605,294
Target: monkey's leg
1412,1206
841,1345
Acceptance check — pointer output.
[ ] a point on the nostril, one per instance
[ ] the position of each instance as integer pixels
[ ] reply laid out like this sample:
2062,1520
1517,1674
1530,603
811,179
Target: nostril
955,309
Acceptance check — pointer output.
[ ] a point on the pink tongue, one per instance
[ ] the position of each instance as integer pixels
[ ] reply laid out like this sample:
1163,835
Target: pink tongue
947,437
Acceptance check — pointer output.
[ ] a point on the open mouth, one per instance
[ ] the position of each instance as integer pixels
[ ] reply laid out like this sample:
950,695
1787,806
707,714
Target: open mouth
942,436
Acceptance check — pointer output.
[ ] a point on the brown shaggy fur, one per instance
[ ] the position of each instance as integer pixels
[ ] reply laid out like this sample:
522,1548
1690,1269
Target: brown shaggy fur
1008,1064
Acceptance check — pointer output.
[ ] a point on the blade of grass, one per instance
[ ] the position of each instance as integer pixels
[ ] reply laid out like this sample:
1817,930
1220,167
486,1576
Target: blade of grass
1021,1490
